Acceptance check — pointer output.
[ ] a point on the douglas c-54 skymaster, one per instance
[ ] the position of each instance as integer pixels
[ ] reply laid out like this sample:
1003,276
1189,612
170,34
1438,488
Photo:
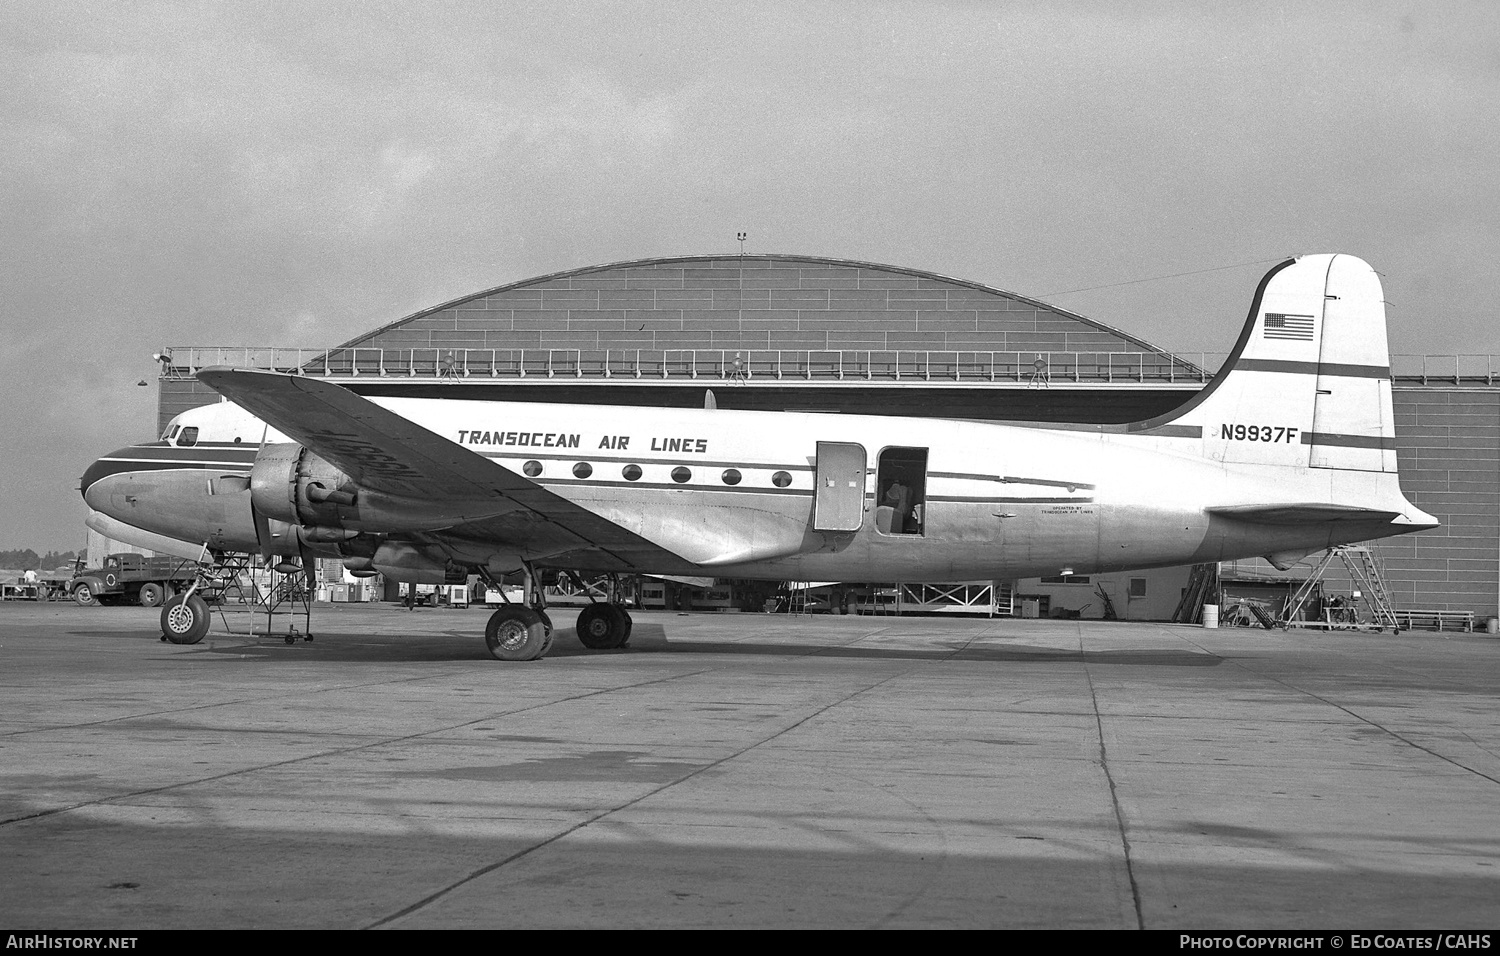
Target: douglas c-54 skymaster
1289,450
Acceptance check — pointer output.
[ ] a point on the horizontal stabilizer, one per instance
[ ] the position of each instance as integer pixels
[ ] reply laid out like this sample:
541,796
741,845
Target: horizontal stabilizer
1309,512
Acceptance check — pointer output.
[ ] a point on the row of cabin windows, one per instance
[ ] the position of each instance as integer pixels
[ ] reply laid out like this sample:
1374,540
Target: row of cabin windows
900,486
681,474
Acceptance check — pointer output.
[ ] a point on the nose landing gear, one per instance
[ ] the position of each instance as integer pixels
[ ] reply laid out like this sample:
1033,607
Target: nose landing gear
184,619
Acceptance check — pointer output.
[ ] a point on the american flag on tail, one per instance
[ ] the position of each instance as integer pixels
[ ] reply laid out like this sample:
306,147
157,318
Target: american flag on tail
1281,326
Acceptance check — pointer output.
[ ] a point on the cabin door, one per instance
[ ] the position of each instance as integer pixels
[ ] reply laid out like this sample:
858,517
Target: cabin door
839,502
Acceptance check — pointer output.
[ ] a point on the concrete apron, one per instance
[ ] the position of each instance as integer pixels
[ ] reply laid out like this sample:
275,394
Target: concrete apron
744,770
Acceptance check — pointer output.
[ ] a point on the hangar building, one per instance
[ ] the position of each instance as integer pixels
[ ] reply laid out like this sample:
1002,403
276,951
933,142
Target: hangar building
782,332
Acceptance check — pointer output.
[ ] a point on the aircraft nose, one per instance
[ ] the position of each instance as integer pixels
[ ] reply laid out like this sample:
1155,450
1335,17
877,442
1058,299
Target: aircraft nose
94,485
97,470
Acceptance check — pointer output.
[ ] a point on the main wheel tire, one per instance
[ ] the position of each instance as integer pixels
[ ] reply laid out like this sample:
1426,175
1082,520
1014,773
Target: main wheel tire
83,596
599,628
515,633
184,619
152,595
603,627
547,630
629,624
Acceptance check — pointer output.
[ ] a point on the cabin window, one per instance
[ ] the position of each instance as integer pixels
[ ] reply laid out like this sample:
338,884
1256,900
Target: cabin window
532,469
631,472
681,474
188,437
731,476
781,479
582,470
901,491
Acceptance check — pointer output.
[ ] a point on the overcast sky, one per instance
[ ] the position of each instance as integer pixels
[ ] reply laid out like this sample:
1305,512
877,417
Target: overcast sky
293,174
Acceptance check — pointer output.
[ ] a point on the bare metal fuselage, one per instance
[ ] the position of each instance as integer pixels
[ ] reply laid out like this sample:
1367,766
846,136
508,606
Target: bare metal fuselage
1001,501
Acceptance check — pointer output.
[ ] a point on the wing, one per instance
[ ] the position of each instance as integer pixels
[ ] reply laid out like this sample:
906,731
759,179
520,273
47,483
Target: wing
384,452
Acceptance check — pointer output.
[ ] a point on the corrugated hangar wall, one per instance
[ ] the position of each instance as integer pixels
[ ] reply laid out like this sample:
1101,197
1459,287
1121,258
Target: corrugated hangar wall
1448,448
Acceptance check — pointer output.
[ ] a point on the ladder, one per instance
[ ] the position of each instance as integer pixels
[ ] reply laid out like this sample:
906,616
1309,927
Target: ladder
796,597
1203,584
1363,569
1109,606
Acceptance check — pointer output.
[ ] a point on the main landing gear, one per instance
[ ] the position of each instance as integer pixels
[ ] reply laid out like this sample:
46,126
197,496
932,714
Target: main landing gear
602,625
523,632
518,632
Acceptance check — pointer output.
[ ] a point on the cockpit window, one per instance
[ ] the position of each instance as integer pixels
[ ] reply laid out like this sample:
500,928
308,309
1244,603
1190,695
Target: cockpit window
188,437
170,433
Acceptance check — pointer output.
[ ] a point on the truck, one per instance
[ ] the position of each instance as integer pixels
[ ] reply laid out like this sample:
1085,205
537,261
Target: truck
132,578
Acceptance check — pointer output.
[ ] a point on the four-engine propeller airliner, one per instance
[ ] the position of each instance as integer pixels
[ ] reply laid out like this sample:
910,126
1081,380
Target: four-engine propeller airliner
1289,450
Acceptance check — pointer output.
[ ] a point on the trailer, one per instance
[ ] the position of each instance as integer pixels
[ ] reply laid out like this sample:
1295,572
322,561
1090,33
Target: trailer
129,578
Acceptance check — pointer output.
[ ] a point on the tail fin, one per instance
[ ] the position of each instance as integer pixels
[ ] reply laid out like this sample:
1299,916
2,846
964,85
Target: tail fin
1308,383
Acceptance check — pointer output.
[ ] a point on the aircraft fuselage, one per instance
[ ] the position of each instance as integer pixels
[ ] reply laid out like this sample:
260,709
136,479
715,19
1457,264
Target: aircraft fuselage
736,494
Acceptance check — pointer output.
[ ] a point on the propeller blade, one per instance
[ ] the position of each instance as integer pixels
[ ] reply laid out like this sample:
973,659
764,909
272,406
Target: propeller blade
262,531
305,553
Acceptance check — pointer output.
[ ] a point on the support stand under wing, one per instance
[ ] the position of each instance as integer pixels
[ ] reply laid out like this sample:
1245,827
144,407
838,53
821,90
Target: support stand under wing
293,588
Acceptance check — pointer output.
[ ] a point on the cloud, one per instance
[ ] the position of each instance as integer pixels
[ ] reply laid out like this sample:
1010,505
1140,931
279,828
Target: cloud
296,174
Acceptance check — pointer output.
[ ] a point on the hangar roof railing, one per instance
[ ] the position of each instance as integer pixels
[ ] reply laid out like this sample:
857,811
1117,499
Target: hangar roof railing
752,366
743,365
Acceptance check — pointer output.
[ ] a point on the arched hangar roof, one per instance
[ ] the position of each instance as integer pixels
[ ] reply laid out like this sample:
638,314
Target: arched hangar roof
783,302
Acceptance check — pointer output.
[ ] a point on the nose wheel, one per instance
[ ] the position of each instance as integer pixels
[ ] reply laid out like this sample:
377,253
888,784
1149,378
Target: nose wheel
184,619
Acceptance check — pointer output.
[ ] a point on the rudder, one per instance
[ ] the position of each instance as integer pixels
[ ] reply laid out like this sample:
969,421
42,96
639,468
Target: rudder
1353,422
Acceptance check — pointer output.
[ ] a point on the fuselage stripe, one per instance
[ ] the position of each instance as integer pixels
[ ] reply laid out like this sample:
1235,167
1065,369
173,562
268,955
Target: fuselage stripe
1348,441
1336,369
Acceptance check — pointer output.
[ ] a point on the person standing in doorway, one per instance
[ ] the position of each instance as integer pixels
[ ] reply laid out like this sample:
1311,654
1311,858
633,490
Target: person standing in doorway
898,499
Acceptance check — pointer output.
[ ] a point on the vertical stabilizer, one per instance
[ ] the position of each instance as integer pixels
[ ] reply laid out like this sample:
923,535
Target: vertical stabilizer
1308,382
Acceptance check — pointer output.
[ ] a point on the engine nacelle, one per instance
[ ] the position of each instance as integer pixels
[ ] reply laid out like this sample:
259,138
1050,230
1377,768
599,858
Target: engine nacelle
291,484
403,562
